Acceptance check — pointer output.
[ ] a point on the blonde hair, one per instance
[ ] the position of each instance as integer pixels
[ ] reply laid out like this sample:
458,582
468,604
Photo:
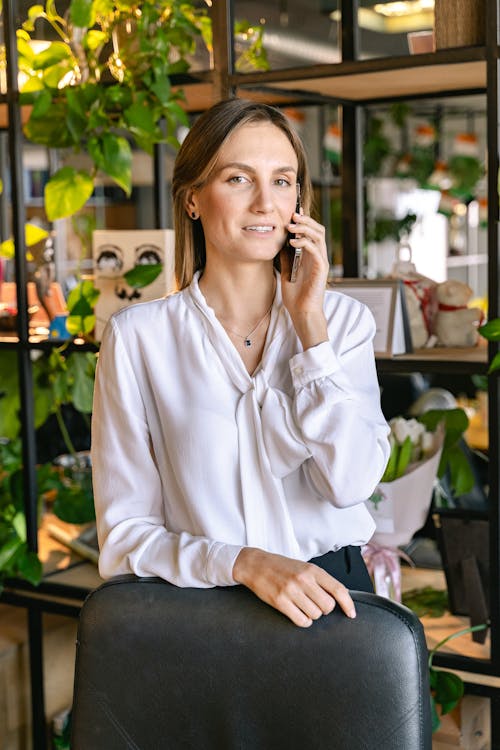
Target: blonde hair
195,163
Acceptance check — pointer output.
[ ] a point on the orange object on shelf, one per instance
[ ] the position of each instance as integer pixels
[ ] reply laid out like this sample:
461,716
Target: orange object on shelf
54,302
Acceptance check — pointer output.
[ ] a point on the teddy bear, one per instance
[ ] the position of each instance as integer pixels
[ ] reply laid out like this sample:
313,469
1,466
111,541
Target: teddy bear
455,324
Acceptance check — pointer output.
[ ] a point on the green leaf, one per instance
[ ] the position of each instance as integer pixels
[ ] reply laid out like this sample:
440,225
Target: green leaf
19,525
491,330
161,88
16,489
53,76
461,475
51,129
81,301
404,457
42,103
8,551
75,504
81,13
142,275
495,363
9,395
436,721
390,469
455,420
29,89
29,566
426,602
85,289
448,689
66,192
82,365
113,155
141,121
57,52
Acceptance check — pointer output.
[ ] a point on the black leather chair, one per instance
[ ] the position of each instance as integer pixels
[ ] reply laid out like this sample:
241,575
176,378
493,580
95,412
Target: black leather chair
164,668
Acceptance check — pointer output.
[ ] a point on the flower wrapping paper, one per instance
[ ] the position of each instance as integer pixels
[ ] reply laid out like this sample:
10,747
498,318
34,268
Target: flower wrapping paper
399,508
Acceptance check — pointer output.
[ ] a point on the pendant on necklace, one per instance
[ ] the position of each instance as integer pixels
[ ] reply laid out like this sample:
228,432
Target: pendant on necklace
248,342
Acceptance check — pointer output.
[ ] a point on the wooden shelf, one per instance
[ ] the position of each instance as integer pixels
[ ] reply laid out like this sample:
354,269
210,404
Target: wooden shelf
438,359
455,71
473,259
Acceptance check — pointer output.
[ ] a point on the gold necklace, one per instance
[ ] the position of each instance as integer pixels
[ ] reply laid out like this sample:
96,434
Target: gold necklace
246,339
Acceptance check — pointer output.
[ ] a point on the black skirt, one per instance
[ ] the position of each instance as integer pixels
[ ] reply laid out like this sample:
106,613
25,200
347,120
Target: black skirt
348,567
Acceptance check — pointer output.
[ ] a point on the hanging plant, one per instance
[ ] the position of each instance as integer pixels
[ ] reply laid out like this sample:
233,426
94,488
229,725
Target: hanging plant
104,85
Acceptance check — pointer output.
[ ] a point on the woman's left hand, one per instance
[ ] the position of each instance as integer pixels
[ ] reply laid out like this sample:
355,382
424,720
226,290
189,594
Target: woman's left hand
303,298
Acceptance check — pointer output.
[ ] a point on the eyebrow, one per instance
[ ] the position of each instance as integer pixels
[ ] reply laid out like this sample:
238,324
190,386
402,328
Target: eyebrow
248,168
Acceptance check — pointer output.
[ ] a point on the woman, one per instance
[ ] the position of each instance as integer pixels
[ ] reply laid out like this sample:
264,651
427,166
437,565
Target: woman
236,425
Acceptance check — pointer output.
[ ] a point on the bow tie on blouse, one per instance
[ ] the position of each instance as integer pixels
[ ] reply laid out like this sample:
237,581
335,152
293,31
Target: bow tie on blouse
269,443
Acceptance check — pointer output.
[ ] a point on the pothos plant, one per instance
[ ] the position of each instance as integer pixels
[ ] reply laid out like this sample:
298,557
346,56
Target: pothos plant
104,85
447,688
60,378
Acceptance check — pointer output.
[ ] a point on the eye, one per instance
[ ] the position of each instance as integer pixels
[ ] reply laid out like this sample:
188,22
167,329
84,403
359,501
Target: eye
238,179
148,255
109,260
282,182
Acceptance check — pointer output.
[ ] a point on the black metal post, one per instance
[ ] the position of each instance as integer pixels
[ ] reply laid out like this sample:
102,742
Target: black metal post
493,121
25,372
160,192
352,154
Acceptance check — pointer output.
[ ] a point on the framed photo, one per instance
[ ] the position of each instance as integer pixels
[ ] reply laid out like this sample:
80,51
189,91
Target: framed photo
117,255
463,541
387,302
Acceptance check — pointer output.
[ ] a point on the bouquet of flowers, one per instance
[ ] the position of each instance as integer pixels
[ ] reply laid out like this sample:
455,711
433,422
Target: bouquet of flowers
402,499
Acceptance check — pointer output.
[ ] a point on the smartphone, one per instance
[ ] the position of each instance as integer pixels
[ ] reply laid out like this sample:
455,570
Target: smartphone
295,253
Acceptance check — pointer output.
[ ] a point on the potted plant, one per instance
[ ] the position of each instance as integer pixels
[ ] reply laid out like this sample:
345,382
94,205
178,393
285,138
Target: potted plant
104,85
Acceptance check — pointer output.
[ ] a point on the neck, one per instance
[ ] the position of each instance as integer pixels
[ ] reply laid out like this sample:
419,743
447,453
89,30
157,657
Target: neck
240,295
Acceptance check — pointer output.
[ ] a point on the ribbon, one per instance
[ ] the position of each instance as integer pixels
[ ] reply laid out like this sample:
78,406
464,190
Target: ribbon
384,566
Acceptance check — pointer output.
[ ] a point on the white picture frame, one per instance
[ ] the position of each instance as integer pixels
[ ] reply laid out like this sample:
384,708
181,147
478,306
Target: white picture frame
387,302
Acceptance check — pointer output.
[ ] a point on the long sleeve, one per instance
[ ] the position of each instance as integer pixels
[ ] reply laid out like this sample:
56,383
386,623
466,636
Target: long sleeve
130,513
337,410
193,458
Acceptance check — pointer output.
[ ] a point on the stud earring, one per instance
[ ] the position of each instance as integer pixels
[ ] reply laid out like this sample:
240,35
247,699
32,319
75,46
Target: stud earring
194,215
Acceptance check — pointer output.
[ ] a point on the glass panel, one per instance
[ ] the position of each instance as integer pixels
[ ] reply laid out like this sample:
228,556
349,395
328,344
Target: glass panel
426,188
391,28
298,33
294,33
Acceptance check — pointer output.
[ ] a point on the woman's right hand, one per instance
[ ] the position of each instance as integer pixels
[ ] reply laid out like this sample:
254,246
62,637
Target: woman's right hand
300,590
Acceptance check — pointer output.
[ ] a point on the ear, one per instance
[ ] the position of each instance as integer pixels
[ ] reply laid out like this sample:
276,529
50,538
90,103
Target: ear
191,204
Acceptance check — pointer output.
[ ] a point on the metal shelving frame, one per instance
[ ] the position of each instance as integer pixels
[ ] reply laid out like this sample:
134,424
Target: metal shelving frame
223,81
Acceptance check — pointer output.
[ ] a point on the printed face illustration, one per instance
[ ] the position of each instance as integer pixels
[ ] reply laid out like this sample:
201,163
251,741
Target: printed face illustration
120,258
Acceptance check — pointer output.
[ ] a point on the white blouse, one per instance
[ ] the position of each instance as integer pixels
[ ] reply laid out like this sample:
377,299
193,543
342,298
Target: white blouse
193,458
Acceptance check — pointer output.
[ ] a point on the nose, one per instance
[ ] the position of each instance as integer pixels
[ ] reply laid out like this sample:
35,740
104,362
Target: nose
262,198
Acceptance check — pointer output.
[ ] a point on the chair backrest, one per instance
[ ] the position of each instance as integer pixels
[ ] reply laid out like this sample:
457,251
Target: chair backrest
162,668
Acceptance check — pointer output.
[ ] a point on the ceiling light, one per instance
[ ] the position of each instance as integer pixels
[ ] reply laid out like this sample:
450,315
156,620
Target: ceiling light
397,17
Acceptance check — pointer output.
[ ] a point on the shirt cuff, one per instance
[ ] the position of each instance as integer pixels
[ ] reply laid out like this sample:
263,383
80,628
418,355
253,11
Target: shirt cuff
317,362
220,563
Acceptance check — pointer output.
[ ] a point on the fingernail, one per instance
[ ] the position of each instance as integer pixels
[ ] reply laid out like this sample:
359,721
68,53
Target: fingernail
352,613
